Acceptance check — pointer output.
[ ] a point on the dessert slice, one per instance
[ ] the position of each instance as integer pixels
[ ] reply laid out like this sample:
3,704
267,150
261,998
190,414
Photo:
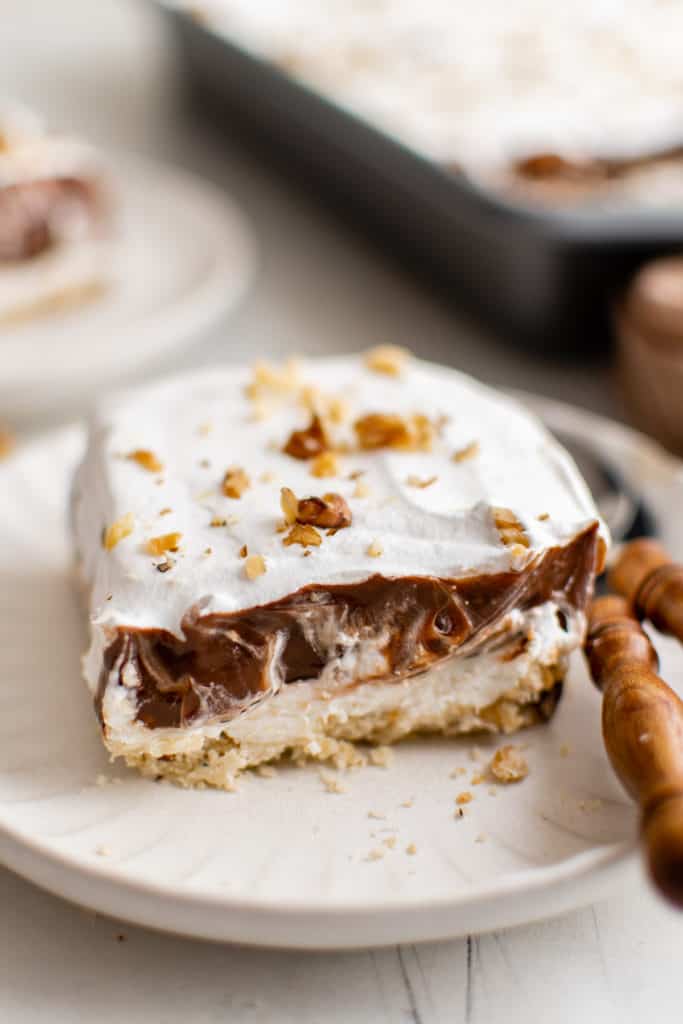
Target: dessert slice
283,560
54,217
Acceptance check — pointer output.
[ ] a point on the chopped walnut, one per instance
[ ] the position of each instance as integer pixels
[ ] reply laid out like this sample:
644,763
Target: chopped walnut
375,549
328,512
164,542
463,798
389,430
307,536
325,464
508,764
381,757
289,503
119,529
337,410
388,359
254,566
218,521
329,407
511,531
146,459
235,482
270,381
468,452
309,442
416,481
332,783
7,442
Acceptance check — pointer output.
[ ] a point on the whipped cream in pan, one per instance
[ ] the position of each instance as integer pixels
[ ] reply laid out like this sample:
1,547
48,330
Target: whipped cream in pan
485,83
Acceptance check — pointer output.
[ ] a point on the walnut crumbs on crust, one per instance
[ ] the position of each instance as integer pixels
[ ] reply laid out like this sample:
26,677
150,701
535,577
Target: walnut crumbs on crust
509,765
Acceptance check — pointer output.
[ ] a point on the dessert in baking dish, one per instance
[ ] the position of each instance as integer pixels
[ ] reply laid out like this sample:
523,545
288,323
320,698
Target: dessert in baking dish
280,560
54,219
560,105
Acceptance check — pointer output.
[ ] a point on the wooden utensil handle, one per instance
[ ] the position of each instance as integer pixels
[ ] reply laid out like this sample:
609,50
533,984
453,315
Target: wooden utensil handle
642,725
645,575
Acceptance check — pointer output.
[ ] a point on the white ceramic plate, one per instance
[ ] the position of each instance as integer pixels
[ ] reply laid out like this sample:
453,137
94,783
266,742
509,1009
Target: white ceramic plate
283,862
182,257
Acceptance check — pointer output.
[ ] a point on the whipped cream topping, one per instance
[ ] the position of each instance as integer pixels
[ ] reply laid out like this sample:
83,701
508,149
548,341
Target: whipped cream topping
484,83
198,426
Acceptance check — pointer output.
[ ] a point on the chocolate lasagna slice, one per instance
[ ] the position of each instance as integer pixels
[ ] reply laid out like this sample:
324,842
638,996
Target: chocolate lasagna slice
54,219
285,560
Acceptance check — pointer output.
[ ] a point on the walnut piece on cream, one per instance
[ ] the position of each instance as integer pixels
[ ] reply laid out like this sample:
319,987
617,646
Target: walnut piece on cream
324,465
116,531
388,359
308,442
468,452
510,530
305,535
235,482
254,566
389,430
146,459
419,482
272,382
164,542
329,512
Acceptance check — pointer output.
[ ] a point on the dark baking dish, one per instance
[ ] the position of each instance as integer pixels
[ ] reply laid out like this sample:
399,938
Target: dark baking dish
543,278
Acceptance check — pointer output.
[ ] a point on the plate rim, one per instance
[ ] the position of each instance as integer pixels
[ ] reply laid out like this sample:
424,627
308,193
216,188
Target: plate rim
569,883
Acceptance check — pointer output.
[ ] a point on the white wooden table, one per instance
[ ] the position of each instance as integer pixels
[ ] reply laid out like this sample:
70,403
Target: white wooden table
105,68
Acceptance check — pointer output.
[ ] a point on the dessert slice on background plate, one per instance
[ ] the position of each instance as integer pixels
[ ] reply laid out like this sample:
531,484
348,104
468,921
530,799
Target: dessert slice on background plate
69,230
56,218
289,560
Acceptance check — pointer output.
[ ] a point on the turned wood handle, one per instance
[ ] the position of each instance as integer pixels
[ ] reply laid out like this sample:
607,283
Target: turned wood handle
642,726
645,575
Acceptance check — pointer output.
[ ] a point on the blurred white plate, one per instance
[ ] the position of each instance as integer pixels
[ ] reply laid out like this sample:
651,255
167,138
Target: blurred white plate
282,862
182,257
